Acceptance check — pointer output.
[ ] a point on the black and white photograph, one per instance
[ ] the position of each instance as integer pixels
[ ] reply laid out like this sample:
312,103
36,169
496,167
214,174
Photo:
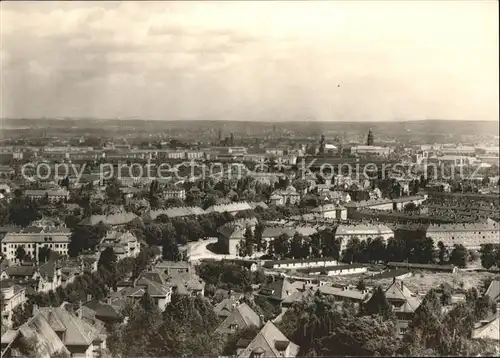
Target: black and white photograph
249,179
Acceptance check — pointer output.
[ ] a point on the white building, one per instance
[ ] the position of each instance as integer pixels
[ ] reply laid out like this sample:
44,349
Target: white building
175,194
362,232
31,242
13,296
54,195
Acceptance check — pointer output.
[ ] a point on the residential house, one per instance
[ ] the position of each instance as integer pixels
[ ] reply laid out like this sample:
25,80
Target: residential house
13,296
404,304
269,342
487,329
155,283
105,312
233,232
277,289
55,331
224,308
124,244
493,291
241,317
289,196
345,294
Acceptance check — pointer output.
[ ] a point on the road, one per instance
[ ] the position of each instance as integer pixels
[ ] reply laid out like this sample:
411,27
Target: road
198,250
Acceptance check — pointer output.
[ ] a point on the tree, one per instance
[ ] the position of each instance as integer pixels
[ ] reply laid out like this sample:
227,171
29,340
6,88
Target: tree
377,304
426,324
44,254
20,253
441,252
280,246
113,192
458,256
23,211
297,250
489,256
170,250
107,259
259,242
146,302
361,285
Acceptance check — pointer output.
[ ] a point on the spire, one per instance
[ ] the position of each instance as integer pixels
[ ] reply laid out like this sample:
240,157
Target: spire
369,140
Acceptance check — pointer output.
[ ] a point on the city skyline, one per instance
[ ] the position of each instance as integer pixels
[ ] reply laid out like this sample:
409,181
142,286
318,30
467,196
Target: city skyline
251,61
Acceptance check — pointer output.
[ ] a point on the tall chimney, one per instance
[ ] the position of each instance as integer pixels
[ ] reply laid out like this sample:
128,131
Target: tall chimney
35,309
262,320
401,285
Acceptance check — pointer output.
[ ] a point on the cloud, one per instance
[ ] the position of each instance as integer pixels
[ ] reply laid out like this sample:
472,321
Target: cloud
249,59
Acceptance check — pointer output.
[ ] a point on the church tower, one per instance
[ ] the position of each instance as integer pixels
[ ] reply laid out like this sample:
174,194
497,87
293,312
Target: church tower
322,144
369,140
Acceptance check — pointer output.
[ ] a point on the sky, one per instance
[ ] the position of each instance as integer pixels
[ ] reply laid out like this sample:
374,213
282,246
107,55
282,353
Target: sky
268,61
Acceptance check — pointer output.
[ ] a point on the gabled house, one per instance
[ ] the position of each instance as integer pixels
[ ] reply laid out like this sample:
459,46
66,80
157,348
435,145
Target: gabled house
50,276
404,303
493,291
277,290
55,330
241,317
487,329
269,342
13,296
225,307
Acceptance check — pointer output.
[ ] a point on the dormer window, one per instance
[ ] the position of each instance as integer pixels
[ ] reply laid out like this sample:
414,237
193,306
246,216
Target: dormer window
233,327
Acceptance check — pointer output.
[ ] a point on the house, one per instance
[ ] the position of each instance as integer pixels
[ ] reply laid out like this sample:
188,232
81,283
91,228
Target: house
105,312
13,296
124,244
50,276
225,307
493,291
487,329
277,289
55,330
173,267
187,284
269,342
233,232
174,193
241,317
345,294
289,196
277,199
157,286
404,304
